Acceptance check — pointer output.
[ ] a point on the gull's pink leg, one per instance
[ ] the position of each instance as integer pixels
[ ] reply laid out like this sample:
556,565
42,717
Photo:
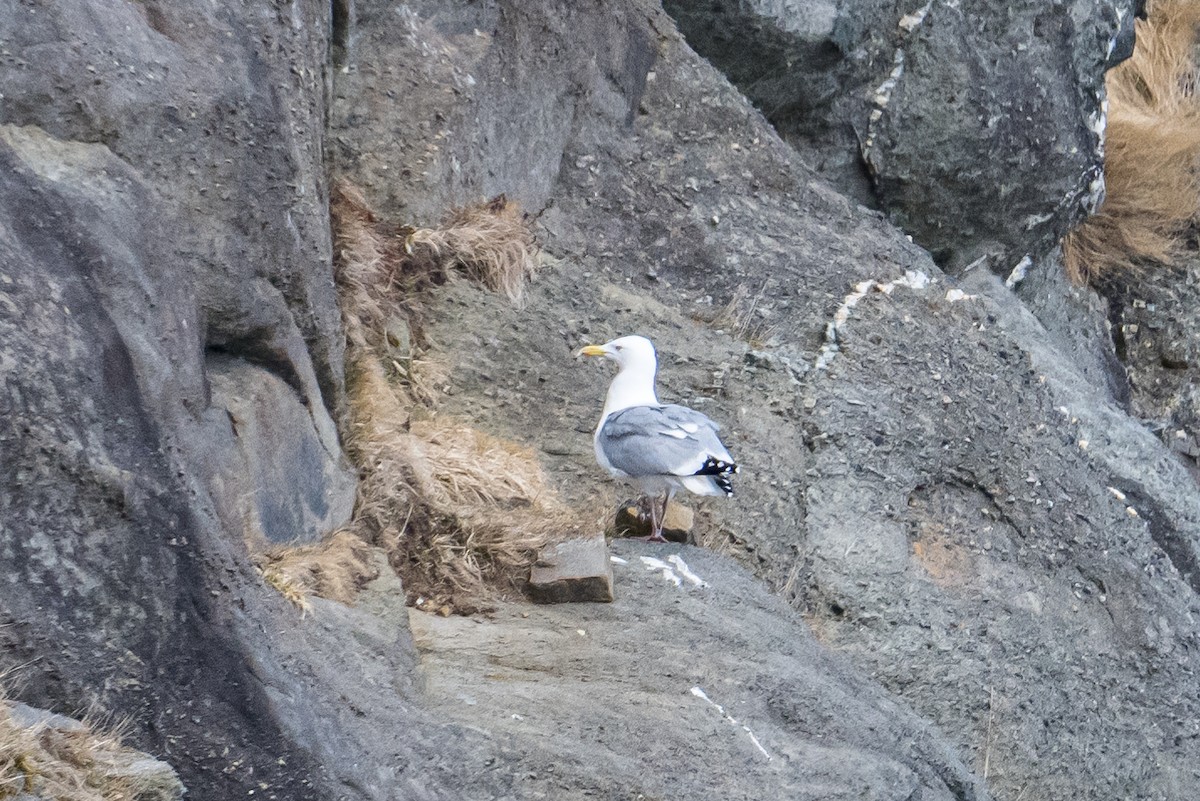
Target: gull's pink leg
657,520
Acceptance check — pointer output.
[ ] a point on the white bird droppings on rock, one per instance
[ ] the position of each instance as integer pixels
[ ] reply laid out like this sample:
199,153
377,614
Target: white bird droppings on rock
1018,272
685,571
912,279
667,573
699,693
910,22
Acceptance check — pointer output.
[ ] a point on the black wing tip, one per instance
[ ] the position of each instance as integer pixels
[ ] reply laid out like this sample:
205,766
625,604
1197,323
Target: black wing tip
720,471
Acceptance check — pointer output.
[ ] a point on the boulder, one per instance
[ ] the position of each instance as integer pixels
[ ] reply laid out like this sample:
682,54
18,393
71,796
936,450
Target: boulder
981,126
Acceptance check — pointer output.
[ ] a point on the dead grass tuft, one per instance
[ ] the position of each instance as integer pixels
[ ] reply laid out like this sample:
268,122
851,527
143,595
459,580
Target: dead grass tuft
335,568
1152,163
490,242
292,590
51,762
741,319
460,514
383,268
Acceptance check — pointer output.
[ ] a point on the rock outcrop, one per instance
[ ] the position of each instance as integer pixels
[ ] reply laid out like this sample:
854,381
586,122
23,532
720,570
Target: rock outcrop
677,710
953,496
1159,338
1002,560
980,124
165,260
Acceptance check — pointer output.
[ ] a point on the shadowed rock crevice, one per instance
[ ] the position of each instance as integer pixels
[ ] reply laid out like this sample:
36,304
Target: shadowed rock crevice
1181,546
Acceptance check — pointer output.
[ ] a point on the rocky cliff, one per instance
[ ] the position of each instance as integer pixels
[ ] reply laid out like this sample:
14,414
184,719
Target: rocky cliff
957,567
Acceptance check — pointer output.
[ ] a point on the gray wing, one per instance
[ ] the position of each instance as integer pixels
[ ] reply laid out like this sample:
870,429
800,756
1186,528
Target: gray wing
661,440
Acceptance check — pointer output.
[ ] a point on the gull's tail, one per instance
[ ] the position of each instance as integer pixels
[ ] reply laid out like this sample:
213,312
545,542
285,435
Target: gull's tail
719,471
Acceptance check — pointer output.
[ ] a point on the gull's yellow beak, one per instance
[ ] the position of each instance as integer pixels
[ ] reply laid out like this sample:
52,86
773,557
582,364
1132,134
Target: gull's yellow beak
592,350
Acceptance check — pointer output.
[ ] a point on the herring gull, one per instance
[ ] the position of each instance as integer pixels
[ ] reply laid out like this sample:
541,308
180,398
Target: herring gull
659,448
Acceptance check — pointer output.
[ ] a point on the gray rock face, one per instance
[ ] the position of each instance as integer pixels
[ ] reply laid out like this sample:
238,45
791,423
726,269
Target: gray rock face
27,717
163,216
657,696
1077,321
920,497
289,477
1160,345
936,497
980,124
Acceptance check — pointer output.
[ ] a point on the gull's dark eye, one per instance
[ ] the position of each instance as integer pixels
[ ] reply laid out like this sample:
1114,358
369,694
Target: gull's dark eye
618,347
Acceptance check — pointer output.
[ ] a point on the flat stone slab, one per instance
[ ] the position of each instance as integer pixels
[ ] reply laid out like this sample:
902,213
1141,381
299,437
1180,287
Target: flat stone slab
572,571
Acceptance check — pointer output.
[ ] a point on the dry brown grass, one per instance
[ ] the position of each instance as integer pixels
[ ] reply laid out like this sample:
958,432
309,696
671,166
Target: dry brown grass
489,242
335,568
383,268
1152,163
740,318
460,514
84,765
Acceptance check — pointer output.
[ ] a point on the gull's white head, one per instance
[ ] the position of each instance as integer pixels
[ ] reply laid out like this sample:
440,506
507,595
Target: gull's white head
630,353
634,384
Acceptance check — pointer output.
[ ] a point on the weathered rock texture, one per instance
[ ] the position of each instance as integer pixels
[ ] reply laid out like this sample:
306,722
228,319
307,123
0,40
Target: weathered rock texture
936,499
677,710
1159,334
951,501
980,124
165,247
572,571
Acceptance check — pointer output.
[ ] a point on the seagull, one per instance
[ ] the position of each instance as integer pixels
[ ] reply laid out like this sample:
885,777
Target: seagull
659,448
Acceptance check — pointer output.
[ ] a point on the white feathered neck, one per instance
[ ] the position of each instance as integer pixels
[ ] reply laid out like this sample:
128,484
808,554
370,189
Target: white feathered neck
634,383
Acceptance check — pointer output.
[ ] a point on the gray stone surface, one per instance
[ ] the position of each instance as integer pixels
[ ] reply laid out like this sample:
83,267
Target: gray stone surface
28,716
1077,321
287,474
924,498
657,696
572,571
979,123
1159,331
155,779
934,499
162,209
